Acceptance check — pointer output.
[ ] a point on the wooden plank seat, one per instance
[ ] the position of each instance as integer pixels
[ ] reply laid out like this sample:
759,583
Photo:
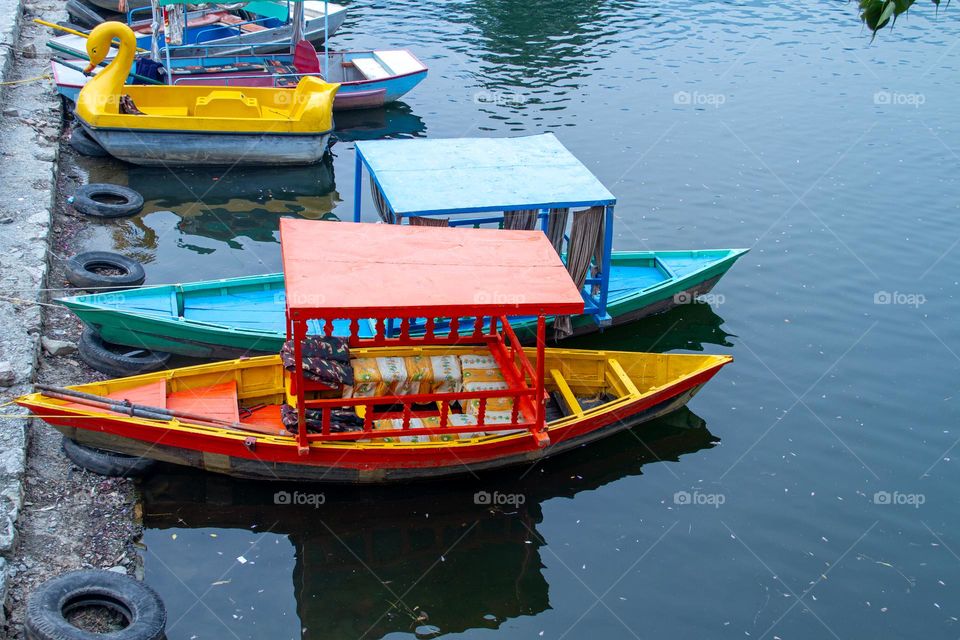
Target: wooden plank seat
231,67
231,20
217,401
370,68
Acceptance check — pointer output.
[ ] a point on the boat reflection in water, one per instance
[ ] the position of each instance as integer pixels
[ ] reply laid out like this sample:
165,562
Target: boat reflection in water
686,327
280,560
392,122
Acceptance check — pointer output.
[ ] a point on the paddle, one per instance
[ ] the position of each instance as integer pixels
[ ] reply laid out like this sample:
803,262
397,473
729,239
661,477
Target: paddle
56,47
75,32
151,413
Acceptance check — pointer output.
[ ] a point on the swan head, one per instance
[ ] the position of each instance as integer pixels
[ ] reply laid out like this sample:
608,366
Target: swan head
98,43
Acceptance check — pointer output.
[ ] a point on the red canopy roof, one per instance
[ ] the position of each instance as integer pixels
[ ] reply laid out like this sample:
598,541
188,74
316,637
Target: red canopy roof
343,270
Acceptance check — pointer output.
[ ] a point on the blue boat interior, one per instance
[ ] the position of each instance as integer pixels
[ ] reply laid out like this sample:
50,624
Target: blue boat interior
627,277
243,308
259,306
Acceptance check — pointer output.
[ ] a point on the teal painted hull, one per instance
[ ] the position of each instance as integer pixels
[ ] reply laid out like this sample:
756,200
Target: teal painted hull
237,316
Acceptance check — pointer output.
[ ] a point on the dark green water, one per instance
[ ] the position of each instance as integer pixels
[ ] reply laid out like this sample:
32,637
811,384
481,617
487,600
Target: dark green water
829,508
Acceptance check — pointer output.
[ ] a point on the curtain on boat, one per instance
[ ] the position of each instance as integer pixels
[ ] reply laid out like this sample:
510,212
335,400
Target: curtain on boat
598,251
556,226
585,234
424,221
381,204
523,219
175,22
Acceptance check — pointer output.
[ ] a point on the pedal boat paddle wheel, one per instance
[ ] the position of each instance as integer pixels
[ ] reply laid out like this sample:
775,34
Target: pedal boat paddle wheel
395,405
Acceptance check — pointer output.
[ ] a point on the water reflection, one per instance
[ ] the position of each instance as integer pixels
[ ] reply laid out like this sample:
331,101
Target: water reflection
394,121
226,186
688,327
370,561
544,46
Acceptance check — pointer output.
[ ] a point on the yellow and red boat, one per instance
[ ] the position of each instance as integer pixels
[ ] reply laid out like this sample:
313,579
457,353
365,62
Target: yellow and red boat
399,405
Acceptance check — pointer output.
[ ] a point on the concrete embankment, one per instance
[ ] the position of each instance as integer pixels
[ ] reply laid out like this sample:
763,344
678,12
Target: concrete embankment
53,516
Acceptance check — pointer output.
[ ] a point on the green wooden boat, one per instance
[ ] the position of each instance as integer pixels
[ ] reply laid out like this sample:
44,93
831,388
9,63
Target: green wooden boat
239,316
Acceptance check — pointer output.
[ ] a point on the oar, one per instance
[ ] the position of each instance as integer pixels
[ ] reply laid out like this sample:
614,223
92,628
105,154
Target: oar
63,62
151,413
60,27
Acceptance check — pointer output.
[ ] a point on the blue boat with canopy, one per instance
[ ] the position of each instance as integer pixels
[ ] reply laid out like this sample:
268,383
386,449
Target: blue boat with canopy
515,183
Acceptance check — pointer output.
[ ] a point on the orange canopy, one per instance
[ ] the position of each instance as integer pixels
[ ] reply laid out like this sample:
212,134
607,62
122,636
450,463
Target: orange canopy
340,270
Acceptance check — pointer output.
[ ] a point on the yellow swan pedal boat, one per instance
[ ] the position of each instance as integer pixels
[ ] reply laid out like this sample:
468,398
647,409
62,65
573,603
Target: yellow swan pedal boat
196,125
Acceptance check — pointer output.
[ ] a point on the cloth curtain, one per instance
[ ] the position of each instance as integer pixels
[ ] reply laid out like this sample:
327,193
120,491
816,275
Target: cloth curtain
556,226
155,19
175,19
523,219
598,250
381,204
424,221
585,233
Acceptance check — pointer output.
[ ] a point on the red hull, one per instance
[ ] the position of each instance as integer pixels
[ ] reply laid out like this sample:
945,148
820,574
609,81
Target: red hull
272,459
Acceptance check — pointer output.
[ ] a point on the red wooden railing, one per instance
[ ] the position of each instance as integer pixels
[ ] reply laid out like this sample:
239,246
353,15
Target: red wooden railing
525,384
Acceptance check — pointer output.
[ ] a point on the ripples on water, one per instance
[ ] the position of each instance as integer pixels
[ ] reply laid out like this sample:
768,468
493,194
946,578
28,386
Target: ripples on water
717,124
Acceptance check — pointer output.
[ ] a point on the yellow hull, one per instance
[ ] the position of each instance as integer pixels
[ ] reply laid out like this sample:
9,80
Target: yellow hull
634,388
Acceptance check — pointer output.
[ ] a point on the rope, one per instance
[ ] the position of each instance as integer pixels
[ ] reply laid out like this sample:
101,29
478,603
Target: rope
22,301
45,76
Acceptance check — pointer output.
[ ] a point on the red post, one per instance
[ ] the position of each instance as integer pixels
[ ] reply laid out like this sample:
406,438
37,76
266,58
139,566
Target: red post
542,438
299,333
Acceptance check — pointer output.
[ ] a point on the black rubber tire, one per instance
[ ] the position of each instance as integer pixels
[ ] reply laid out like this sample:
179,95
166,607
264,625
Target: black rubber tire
52,601
83,14
82,143
80,273
106,463
130,361
84,200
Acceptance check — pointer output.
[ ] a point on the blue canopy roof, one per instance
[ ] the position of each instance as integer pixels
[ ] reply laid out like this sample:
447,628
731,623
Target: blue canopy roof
462,175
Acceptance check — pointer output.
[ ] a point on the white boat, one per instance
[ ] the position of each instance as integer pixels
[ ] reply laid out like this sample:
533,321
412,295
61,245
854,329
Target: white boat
216,31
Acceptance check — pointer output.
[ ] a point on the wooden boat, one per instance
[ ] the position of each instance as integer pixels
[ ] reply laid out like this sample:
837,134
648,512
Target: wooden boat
200,125
242,316
367,79
482,404
215,31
